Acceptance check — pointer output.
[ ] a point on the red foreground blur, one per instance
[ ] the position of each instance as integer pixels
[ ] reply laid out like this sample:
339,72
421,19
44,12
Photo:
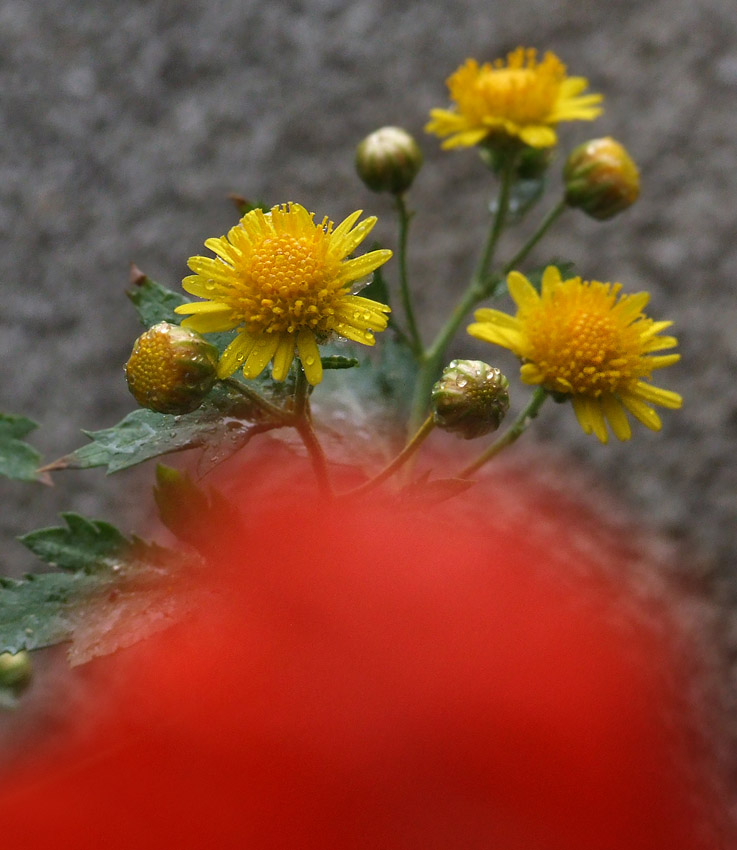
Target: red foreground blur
371,678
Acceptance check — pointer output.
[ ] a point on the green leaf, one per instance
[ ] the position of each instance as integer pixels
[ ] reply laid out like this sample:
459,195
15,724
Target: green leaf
83,545
114,591
362,411
18,460
154,303
225,423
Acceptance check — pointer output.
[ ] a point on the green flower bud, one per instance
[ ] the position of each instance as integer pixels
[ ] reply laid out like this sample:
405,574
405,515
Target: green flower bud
15,670
601,178
171,369
470,399
388,160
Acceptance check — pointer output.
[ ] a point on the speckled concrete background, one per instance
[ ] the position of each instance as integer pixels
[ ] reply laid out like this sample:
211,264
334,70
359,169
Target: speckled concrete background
125,125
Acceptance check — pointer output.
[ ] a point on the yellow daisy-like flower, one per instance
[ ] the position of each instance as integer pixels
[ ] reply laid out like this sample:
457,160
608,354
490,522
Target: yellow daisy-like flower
286,284
522,98
585,340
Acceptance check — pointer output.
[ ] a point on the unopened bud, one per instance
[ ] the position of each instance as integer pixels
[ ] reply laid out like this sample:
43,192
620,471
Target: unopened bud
15,670
388,160
470,399
601,178
171,369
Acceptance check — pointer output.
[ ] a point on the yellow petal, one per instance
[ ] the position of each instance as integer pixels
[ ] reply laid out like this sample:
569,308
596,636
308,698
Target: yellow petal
617,417
656,395
506,337
309,355
522,291
598,423
365,337
662,361
283,357
347,242
538,136
263,350
202,307
641,411
551,279
362,266
235,354
581,409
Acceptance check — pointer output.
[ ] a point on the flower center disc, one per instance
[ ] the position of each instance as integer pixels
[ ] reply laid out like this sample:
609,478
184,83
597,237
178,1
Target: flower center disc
287,283
582,352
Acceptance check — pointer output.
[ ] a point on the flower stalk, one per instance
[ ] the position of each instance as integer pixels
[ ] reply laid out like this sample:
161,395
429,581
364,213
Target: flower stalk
511,435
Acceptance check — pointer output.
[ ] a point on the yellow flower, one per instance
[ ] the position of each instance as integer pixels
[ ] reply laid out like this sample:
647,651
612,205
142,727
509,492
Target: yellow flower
286,284
523,98
584,340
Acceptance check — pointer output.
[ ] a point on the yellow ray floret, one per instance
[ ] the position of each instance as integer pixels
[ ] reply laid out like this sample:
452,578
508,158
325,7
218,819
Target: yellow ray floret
286,283
584,340
522,97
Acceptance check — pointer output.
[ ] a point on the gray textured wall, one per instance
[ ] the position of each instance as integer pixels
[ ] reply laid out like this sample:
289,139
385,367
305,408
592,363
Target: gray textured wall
124,125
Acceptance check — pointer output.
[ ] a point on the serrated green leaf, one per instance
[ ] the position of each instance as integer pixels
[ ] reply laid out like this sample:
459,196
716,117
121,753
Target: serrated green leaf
155,303
226,421
83,545
98,612
18,460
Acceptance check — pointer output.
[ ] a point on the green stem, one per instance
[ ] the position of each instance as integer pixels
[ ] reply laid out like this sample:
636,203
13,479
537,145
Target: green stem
303,423
552,216
404,216
513,433
272,410
474,293
399,460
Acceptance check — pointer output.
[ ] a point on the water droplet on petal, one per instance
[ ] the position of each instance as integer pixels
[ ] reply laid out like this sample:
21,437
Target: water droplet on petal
309,361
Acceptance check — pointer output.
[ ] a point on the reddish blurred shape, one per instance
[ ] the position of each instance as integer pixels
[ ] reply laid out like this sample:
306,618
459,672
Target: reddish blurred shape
369,678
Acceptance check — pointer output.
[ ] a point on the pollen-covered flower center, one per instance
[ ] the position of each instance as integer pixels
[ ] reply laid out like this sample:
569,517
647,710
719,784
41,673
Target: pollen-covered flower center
287,283
582,351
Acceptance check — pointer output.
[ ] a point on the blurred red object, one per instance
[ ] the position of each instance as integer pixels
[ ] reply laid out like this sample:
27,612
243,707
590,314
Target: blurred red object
368,677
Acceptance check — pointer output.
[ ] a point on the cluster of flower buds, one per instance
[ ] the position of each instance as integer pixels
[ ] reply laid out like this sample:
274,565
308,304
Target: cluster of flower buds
470,399
171,369
388,160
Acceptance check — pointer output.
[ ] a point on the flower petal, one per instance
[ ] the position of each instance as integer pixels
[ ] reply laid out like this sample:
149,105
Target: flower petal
283,357
309,355
263,350
617,417
361,266
641,411
235,354
657,395
522,291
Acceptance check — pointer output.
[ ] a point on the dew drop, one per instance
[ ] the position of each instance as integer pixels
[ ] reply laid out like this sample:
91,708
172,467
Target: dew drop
462,382
240,357
366,316
309,361
356,315
210,285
